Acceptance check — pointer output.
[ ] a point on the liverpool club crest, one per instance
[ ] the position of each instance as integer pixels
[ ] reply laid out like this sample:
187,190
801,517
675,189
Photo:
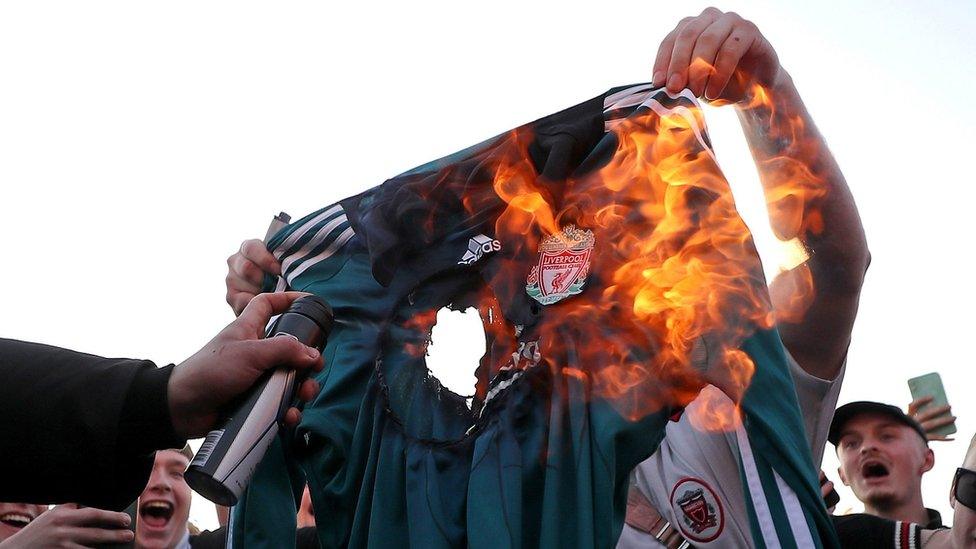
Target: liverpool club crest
699,511
564,262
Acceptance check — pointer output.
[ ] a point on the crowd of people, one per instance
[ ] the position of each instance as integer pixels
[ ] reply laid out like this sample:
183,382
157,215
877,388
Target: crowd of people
884,452
698,489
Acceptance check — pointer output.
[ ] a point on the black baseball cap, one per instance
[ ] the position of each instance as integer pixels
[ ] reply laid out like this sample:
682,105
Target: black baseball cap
848,411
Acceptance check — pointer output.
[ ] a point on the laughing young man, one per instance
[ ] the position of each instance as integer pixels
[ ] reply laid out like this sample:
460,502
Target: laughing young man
164,506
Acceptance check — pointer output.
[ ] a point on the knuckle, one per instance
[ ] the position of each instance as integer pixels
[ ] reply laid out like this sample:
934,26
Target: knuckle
709,38
291,345
237,265
688,32
250,270
727,49
251,248
711,10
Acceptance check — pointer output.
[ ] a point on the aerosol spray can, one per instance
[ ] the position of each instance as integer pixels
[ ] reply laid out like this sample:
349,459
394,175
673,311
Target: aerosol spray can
228,456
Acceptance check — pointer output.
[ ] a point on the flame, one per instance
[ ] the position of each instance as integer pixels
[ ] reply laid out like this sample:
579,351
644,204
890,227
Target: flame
794,193
714,412
687,270
678,262
420,324
675,275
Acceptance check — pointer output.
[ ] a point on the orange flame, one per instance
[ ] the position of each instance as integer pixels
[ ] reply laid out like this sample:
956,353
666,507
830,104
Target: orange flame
420,324
676,272
678,260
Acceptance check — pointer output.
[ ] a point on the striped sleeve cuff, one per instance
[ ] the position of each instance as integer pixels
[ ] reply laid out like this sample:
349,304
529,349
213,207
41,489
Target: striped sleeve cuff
907,535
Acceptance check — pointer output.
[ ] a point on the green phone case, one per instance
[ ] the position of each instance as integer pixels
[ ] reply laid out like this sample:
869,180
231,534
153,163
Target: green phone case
931,385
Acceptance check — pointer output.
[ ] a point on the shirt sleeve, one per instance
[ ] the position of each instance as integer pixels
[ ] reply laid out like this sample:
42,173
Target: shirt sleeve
863,530
818,400
79,427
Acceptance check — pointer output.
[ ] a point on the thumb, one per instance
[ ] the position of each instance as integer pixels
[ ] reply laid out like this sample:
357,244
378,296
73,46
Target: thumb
264,354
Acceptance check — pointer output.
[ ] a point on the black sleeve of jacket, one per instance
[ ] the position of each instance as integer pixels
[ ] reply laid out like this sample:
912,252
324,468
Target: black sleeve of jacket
78,427
867,531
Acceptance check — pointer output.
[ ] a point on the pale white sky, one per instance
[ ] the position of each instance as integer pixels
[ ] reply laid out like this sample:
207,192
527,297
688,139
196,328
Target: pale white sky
141,143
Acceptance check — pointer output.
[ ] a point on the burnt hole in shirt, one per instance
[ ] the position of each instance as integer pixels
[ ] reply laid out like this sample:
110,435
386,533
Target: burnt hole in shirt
455,346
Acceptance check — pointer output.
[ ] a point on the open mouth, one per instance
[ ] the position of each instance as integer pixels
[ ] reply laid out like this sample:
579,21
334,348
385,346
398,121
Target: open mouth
156,513
874,470
16,519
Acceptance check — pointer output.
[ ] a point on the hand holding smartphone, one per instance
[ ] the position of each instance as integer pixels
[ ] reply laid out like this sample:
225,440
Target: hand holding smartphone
930,406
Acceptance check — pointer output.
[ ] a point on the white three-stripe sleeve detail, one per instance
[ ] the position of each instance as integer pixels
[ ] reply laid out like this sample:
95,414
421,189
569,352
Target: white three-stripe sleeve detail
328,252
300,231
763,514
639,94
627,102
662,112
685,113
319,237
794,512
617,96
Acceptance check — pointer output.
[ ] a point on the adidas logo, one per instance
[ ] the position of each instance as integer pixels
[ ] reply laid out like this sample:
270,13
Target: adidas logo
478,246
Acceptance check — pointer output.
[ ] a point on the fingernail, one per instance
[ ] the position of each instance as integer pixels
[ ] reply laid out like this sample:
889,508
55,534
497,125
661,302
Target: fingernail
312,352
126,519
658,78
129,535
674,83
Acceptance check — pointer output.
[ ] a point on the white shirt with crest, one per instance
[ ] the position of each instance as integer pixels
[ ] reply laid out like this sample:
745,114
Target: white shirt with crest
693,479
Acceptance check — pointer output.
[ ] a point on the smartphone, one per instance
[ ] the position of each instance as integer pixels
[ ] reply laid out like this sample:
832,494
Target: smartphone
832,498
931,385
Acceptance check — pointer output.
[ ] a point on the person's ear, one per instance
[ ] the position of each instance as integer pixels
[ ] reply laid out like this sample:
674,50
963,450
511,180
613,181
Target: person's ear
843,477
928,460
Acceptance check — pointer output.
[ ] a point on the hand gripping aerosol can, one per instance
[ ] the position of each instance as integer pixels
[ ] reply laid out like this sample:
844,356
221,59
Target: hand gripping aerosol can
228,456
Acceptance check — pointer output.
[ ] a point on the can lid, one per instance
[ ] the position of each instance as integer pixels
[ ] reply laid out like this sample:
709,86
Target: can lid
207,486
315,308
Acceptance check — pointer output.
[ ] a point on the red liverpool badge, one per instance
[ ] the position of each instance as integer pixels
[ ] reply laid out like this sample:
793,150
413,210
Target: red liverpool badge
564,262
698,510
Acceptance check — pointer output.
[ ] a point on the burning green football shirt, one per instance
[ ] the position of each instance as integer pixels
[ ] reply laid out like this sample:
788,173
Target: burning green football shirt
577,381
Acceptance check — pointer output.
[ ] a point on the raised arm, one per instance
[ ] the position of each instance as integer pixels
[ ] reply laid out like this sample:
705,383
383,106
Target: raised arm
725,58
